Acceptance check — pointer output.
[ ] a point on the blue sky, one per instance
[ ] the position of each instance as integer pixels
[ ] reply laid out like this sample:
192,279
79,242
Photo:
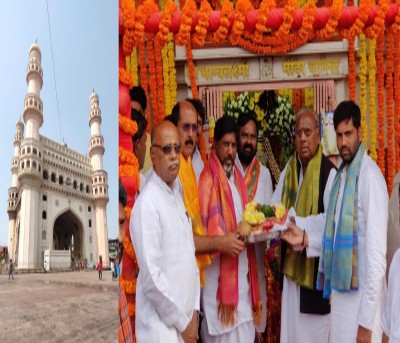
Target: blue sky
85,47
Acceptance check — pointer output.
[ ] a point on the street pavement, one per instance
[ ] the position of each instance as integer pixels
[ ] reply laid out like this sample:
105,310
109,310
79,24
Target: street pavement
58,307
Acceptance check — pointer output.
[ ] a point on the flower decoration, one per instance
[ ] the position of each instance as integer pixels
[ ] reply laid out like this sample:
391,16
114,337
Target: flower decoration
244,103
281,122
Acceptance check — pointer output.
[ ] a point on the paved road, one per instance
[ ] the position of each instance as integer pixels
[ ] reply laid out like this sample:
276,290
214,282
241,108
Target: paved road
58,307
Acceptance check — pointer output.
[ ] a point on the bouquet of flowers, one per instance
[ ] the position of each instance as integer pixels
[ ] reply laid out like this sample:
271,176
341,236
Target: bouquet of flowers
281,123
258,218
246,102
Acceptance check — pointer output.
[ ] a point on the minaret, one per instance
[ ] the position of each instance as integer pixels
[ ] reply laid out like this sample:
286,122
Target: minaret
99,180
13,192
30,165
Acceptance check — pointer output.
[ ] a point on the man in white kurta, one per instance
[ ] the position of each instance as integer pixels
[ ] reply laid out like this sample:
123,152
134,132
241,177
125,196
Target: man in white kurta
295,325
258,182
168,288
356,314
391,313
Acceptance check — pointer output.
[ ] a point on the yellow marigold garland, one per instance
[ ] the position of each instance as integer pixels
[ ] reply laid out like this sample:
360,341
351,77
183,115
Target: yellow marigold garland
372,101
363,86
143,77
381,103
172,73
160,81
202,25
167,95
183,36
224,23
389,107
129,126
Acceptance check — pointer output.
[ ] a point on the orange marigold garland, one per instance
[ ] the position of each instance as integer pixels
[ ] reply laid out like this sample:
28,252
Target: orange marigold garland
352,69
183,36
125,77
224,23
397,100
166,19
372,97
127,125
128,20
381,103
262,17
160,82
143,77
363,86
242,8
389,107
202,25
358,25
143,13
373,31
152,77
334,14
192,74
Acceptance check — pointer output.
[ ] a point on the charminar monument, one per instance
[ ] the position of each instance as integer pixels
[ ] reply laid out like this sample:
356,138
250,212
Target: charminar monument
58,197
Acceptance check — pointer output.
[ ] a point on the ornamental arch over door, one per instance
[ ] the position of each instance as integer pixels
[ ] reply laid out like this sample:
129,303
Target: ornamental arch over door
324,93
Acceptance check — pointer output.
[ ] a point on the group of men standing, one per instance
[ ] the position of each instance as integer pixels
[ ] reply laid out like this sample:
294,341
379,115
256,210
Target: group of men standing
192,259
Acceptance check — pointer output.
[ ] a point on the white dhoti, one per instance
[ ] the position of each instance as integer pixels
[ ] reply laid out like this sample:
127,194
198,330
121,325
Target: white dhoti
299,327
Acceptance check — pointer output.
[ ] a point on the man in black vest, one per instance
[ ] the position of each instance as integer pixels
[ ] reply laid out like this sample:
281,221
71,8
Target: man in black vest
304,185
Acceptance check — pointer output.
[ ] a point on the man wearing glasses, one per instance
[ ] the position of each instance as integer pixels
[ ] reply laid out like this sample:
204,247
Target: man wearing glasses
168,289
305,185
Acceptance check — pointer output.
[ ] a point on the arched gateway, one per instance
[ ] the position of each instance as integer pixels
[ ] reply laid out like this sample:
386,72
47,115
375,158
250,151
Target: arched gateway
58,197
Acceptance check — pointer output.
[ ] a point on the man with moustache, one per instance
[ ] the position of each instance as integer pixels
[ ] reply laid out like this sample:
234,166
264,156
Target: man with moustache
139,103
304,184
231,298
353,258
184,117
258,182
168,289
197,159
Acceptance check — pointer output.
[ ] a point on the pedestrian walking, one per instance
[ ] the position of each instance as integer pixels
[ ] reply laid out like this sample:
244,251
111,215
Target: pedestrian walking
10,270
100,270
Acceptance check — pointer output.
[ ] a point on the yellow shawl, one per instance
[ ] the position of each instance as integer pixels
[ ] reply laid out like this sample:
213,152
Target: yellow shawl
191,201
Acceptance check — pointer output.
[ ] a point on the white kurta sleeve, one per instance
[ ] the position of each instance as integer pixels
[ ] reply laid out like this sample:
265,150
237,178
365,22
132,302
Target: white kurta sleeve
277,196
147,239
372,193
315,225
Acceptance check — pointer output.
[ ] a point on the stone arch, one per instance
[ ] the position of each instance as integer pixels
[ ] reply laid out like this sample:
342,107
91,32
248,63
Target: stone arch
68,233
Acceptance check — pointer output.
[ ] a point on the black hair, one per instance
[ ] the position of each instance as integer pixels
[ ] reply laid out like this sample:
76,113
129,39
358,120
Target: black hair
138,94
141,124
225,125
123,195
245,118
345,111
175,114
199,107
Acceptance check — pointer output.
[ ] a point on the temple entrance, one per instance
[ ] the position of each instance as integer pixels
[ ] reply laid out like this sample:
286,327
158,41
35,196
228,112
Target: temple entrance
68,235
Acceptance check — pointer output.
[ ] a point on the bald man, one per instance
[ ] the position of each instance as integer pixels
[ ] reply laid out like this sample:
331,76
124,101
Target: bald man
305,185
168,287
